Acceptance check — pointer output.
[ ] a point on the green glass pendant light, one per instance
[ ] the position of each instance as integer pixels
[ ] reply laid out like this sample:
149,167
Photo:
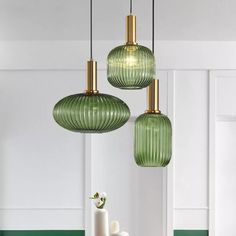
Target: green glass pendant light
130,66
153,131
91,111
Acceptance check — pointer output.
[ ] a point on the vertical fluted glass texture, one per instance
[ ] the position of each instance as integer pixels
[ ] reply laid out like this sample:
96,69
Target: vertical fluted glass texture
130,67
153,140
96,113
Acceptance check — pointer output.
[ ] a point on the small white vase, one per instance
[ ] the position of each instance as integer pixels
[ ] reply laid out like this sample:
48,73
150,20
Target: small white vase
101,222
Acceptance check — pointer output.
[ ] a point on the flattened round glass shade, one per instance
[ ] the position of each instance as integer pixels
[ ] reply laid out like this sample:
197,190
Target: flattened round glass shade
153,140
130,67
97,113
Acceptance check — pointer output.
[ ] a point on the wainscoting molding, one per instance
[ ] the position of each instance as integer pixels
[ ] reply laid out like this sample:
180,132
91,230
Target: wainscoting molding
41,218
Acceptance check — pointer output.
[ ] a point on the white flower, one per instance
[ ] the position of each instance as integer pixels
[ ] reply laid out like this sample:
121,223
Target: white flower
99,199
97,202
103,195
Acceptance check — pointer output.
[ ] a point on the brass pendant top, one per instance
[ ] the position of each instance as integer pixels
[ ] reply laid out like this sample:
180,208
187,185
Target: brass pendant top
91,77
153,97
131,30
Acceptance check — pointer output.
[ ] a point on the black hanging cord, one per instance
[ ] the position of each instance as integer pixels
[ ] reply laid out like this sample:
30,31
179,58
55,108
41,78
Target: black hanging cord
91,29
153,26
131,7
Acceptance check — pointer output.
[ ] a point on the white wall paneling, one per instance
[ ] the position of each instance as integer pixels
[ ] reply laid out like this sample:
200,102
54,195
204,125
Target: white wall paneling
168,179
207,111
88,186
225,93
46,170
42,218
211,141
56,170
191,150
224,191
135,195
191,218
42,165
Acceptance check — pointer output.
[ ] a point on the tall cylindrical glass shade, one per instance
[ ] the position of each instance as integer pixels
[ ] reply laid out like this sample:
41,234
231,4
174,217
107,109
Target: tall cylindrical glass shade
153,140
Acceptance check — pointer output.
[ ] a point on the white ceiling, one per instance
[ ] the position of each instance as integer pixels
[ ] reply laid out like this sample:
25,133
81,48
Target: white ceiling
69,19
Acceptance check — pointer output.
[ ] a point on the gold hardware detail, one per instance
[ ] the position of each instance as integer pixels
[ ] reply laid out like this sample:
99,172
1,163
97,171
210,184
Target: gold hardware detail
91,77
153,97
130,30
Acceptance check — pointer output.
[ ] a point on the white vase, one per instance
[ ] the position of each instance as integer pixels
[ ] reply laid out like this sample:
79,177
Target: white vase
101,222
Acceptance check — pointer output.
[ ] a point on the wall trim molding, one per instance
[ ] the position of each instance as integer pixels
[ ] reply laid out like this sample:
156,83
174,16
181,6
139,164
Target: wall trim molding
211,151
170,170
40,219
88,184
42,232
191,208
41,208
226,118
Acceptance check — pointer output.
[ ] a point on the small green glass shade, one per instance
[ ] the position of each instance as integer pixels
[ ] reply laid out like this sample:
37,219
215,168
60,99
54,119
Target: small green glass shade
91,113
153,140
130,67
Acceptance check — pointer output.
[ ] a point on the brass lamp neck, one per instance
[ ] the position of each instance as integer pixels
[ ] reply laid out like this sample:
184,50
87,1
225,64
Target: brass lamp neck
91,77
131,29
153,97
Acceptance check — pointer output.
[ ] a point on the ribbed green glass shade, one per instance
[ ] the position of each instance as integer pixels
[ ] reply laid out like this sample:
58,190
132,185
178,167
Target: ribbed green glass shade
96,113
130,67
153,140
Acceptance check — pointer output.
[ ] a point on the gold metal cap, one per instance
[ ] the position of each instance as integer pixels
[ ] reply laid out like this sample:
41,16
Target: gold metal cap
91,77
153,97
131,29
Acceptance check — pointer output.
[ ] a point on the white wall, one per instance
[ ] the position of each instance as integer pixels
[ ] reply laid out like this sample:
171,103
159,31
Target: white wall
41,165
135,194
191,150
44,168
47,173
68,19
225,162
203,172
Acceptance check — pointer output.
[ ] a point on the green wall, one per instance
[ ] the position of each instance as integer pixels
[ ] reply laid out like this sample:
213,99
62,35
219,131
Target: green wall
42,233
191,233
